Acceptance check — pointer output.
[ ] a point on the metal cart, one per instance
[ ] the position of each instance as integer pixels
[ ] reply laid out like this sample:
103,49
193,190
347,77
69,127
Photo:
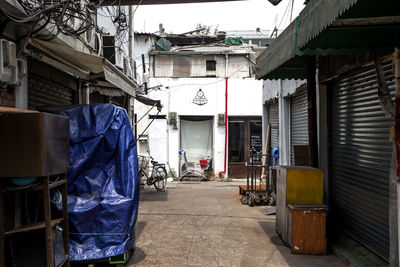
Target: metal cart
254,192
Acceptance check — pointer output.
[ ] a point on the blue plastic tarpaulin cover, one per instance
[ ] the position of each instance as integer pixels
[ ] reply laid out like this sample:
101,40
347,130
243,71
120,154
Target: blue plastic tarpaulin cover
103,184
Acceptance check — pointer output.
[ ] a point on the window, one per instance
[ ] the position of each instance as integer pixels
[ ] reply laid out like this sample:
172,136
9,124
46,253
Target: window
211,65
181,66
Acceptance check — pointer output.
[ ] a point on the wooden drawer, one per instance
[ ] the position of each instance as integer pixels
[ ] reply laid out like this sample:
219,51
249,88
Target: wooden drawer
307,229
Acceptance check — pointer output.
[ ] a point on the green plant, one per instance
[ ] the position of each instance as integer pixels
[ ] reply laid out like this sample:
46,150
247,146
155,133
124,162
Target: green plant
172,174
227,179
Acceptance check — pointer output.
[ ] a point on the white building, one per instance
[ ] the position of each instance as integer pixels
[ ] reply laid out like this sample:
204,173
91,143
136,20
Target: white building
192,83
82,60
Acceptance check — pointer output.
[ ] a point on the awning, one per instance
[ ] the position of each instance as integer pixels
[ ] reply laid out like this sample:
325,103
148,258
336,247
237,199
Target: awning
148,101
334,27
114,92
86,66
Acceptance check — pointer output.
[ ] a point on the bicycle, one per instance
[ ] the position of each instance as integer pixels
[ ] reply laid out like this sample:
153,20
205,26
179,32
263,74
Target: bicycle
158,176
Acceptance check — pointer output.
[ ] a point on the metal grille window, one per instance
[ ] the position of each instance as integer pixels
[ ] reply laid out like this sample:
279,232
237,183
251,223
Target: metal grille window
298,122
44,94
211,65
273,119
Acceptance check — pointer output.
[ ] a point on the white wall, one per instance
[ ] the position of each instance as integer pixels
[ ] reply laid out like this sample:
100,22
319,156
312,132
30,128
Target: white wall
158,140
143,43
244,99
238,66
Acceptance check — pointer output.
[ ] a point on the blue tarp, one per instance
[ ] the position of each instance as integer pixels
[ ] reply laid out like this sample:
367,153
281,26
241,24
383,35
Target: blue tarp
103,184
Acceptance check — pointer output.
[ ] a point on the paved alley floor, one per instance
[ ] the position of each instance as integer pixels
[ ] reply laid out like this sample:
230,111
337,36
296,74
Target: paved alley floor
204,224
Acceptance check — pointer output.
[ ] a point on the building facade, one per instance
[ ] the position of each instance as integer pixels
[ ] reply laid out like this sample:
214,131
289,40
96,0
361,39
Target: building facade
195,85
349,116
58,65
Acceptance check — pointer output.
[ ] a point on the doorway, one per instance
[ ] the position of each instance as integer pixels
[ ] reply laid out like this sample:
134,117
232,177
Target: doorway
244,133
196,137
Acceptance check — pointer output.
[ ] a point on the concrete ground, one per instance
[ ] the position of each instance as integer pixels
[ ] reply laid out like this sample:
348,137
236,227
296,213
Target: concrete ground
204,224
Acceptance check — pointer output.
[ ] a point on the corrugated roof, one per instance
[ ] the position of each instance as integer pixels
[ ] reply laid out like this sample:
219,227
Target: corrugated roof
317,31
203,50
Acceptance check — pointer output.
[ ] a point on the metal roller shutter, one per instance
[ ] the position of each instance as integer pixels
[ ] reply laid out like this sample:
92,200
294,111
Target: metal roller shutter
360,157
298,122
47,94
273,119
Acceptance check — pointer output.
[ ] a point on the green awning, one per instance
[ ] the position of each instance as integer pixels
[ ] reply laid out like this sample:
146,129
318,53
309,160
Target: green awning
334,27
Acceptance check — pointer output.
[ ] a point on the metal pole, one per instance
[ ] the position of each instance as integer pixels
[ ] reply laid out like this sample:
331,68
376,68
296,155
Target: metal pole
147,126
252,171
130,29
144,71
312,111
145,114
86,94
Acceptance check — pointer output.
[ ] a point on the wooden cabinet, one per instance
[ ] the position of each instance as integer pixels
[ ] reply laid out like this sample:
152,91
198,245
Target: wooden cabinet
307,229
296,185
35,145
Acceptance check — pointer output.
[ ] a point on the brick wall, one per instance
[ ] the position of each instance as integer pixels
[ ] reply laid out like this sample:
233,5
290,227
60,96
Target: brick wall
7,97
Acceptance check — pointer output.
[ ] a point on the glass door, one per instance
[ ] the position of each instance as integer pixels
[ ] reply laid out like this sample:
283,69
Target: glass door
236,141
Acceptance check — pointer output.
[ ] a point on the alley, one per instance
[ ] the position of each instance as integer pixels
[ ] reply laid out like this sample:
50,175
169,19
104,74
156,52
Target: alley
204,224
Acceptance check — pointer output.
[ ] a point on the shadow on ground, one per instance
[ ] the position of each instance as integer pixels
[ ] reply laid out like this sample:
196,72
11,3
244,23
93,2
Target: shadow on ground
140,255
153,195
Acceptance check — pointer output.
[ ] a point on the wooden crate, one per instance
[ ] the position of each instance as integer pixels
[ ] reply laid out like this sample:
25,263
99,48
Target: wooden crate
307,229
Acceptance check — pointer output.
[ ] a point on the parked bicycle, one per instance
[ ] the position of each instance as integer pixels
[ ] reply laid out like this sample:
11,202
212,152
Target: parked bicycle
158,176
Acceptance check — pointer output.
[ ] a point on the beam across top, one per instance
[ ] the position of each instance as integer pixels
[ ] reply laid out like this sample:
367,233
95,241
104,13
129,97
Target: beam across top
153,2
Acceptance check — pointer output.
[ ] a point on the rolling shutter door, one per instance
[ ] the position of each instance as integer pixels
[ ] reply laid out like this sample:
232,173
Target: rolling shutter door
360,158
298,122
273,119
47,95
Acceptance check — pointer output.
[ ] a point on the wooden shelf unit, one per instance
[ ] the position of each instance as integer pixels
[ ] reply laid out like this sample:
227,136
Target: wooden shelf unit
48,223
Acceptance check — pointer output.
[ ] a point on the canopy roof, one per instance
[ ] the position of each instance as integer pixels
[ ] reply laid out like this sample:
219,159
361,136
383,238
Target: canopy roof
87,66
334,27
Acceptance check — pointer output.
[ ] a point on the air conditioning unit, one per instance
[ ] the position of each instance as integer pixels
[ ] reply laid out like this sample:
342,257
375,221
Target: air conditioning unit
111,52
8,60
18,73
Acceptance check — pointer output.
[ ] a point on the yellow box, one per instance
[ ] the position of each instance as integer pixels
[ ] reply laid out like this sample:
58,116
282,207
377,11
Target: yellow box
304,186
296,185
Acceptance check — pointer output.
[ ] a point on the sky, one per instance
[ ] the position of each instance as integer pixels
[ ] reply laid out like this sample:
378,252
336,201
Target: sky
234,15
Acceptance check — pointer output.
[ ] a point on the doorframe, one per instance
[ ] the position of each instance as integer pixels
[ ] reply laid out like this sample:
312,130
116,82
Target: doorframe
246,120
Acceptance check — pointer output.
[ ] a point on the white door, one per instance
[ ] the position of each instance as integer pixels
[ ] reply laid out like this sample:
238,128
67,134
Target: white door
196,138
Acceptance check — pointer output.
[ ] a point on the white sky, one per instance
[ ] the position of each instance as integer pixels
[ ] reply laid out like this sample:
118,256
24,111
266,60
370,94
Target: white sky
235,15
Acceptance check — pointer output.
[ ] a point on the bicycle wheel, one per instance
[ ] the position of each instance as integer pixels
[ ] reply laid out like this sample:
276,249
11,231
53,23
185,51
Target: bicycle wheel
160,176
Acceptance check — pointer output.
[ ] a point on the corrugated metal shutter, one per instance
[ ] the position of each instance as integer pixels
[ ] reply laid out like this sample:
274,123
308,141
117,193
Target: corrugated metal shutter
298,121
360,158
273,119
46,94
